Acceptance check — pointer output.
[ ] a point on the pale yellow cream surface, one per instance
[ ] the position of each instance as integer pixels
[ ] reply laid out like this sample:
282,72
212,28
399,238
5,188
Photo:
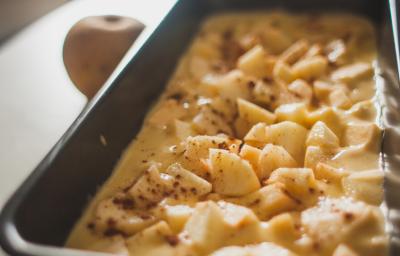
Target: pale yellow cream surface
265,142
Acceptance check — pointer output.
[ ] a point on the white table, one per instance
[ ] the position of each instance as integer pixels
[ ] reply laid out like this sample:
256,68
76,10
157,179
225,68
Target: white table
38,102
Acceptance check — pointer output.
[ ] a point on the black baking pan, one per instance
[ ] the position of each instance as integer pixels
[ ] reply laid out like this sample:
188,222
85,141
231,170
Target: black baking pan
39,216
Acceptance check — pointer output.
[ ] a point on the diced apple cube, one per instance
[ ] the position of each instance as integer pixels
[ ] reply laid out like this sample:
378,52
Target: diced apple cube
310,68
322,89
231,175
232,85
273,157
214,225
282,72
206,227
268,201
264,93
289,135
331,117
286,97
187,183
315,155
243,226
177,215
295,52
327,172
339,98
251,154
320,135
196,148
253,114
352,72
221,106
299,182
335,51
210,123
314,50
257,134
295,112
241,128
150,187
255,62
302,90
334,221
284,227
236,216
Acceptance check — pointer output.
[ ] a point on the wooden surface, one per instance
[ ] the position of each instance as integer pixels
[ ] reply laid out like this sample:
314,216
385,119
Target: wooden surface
38,101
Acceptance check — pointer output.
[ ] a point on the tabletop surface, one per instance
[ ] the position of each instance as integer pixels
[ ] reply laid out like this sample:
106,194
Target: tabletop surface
38,101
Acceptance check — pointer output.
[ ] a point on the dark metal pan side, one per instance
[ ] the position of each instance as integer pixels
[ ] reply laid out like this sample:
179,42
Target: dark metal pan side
45,207
388,82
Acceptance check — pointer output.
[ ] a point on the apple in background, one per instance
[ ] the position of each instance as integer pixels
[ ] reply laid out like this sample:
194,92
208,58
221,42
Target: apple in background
93,48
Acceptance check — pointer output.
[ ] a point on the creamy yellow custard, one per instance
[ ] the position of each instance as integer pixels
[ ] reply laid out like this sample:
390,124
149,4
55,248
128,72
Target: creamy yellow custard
265,142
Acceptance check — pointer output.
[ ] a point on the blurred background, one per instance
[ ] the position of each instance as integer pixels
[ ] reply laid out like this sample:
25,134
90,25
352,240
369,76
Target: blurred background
15,14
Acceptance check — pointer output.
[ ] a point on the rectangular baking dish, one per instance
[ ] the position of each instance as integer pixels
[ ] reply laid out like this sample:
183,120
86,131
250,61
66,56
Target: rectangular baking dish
39,216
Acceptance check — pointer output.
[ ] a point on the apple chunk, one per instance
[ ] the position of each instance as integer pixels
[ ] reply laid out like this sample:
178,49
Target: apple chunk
188,183
251,154
272,157
320,135
150,188
231,175
253,114
289,135
299,182
254,62
206,227
268,201
213,225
